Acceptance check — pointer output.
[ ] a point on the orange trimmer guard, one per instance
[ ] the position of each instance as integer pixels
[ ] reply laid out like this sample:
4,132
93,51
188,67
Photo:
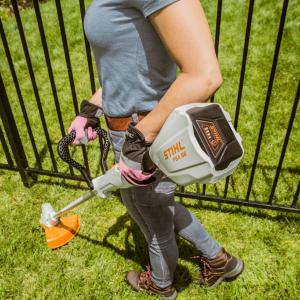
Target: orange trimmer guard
63,232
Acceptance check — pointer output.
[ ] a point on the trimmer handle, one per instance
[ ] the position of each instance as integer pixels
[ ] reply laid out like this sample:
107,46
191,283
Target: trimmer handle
64,154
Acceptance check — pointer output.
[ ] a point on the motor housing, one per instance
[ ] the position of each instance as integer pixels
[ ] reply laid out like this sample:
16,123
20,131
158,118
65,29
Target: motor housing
197,143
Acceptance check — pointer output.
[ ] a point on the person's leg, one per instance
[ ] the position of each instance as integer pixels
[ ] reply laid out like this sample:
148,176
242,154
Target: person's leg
216,264
188,226
152,209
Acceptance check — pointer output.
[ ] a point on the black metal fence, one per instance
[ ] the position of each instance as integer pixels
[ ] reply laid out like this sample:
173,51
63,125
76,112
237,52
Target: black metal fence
23,150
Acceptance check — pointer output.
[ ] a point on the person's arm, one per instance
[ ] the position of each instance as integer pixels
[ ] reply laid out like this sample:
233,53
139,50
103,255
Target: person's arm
96,99
183,28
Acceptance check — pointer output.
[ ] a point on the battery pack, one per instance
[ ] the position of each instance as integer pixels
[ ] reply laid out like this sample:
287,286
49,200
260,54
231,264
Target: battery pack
197,143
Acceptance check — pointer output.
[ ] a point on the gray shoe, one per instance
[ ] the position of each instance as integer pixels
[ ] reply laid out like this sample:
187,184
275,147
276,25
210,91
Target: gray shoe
141,281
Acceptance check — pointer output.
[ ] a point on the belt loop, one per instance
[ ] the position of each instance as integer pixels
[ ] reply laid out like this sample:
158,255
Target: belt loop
135,118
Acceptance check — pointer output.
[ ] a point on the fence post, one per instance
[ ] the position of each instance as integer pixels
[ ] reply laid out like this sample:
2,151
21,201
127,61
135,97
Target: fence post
13,135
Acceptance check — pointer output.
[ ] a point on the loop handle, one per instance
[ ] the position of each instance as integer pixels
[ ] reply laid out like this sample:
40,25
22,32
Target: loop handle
64,154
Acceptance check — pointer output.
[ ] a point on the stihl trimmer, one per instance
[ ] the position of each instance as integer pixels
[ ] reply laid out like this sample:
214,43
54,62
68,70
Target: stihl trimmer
196,144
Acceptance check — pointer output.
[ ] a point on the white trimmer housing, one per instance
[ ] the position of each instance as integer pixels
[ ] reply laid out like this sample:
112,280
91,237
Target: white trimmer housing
110,182
197,143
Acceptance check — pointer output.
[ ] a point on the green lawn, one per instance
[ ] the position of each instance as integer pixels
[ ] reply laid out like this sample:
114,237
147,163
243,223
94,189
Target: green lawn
93,265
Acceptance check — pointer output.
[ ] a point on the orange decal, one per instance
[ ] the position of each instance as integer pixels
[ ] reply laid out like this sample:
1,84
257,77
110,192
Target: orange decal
212,136
176,151
166,155
217,138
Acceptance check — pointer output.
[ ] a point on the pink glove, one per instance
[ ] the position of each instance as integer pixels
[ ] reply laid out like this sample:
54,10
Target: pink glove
83,124
134,176
83,134
135,163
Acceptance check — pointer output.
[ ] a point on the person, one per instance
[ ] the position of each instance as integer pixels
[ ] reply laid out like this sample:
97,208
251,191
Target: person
137,46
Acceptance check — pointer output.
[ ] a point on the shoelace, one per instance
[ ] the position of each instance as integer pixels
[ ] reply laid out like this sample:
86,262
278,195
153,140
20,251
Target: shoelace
145,277
204,264
206,267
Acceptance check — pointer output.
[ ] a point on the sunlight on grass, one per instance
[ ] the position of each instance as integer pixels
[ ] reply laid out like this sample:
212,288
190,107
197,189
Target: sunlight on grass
93,265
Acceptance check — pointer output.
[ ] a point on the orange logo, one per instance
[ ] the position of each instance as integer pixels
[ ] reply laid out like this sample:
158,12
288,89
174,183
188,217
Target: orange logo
212,136
176,152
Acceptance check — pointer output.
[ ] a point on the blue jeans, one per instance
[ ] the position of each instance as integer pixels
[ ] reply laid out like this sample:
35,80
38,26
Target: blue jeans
157,214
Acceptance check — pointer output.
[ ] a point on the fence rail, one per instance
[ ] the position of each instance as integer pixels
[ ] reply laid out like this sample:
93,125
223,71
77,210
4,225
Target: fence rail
15,152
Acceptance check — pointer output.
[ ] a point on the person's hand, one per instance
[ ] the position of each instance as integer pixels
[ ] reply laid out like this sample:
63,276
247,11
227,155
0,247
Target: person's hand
83,124
84,134
135,163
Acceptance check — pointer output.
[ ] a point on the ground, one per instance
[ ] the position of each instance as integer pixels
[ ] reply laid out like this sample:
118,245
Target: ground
94,264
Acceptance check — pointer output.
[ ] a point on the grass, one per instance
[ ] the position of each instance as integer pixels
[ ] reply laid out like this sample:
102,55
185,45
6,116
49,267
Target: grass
93,265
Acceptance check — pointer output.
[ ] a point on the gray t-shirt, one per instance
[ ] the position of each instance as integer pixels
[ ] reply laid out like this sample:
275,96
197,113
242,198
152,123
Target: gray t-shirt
134,67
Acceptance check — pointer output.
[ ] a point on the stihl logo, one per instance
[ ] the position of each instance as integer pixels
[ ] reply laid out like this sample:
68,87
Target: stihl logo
176,152
212,136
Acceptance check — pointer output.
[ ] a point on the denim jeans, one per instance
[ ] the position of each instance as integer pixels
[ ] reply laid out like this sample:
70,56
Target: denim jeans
157,214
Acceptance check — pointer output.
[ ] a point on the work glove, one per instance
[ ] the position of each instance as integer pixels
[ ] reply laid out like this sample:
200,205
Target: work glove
85,121
135,163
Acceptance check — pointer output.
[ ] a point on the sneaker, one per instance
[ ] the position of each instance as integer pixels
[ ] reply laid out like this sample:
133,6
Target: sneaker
223,267
141,281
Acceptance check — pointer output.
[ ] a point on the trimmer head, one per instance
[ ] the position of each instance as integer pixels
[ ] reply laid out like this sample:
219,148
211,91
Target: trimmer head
59,231
63,232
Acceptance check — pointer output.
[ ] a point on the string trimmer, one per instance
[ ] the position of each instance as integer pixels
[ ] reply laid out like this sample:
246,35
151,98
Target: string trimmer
197,143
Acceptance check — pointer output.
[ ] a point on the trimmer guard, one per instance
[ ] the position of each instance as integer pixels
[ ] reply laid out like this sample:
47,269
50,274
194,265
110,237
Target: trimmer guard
197,144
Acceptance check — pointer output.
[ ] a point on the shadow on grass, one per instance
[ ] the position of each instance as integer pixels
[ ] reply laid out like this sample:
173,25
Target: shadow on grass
137,250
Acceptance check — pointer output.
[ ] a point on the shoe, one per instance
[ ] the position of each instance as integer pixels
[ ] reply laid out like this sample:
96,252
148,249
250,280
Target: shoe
141,281
223,267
